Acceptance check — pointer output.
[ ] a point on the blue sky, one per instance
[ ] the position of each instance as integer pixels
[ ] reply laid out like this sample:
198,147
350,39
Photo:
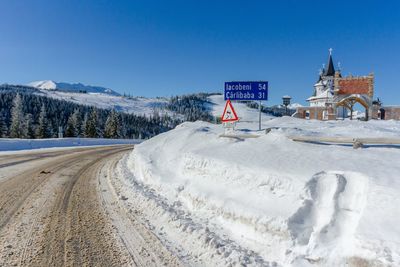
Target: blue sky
163,48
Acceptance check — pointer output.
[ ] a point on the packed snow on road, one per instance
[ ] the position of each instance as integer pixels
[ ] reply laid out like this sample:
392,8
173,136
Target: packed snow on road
270,200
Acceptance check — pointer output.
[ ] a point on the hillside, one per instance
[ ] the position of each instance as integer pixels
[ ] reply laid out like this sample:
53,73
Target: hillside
139,117
101,97
156,115
35,115
131,105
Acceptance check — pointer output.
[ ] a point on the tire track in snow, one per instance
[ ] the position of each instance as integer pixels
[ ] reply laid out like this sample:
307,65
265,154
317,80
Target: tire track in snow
15,190
143,245
61,221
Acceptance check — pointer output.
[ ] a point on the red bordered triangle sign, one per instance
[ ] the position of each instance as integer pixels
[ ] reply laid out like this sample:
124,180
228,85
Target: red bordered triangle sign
229,113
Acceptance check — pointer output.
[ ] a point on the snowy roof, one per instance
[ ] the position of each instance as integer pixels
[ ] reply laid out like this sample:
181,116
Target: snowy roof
320,82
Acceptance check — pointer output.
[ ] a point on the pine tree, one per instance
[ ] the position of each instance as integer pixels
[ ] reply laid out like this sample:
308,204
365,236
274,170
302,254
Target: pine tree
84,123
52,133
17,118
87,126
112,127
73,124
43,130
91,127
29,131
70,131
3,126
78,122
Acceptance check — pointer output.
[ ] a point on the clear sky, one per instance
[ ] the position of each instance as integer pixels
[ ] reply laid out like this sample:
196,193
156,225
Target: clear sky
164,48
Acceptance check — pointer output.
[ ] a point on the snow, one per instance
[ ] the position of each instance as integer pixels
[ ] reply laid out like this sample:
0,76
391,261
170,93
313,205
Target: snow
137,105
295,105
46,85
272,200
71,87
10,144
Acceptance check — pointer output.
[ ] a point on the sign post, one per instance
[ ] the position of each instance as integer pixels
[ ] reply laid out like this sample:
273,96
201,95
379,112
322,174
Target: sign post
247,91
259,115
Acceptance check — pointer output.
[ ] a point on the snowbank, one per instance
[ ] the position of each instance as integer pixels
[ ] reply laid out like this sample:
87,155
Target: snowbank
9,144
295,204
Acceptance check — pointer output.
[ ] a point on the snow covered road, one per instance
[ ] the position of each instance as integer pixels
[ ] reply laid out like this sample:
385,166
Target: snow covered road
58,208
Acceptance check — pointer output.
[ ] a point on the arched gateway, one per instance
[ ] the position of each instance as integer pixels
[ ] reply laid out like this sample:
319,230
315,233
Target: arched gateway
350,101
352,90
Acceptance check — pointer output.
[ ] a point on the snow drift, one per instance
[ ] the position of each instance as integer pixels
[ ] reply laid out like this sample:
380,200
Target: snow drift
293,204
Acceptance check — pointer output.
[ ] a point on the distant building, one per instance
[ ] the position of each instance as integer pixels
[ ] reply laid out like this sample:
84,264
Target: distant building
334,97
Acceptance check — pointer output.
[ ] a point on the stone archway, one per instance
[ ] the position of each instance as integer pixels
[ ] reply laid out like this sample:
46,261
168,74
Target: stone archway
350,101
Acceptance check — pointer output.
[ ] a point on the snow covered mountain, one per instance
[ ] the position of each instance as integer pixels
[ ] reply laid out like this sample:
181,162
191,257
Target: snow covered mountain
47,85
71,87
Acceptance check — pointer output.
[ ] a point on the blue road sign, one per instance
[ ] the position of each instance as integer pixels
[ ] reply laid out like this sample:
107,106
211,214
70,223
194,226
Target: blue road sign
246,91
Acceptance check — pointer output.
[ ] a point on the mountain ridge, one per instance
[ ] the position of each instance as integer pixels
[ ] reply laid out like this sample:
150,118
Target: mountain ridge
72,87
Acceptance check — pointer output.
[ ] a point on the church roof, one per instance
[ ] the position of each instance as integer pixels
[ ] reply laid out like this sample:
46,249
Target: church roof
330,71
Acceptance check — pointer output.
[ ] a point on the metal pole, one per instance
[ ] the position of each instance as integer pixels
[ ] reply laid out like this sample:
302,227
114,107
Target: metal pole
259,116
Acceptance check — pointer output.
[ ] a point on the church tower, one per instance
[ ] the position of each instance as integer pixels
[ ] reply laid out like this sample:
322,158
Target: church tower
324,88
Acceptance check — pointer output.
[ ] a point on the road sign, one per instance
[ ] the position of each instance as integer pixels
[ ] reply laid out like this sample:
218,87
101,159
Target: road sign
246,91
229,114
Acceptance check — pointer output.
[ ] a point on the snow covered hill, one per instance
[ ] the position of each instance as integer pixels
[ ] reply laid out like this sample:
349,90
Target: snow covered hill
107,99
71,87
272,201
148,106
132,105
102,98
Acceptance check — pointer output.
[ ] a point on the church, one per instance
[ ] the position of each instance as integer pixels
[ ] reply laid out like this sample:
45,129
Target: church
334,97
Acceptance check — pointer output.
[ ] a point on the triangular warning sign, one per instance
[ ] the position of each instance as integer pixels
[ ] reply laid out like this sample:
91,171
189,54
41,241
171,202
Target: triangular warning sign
229,113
